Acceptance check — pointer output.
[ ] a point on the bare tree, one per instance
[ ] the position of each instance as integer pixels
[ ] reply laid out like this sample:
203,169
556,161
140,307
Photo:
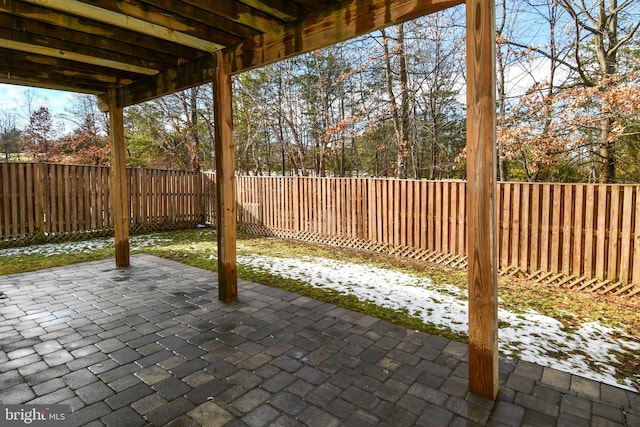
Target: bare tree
400,114
9,133
601,21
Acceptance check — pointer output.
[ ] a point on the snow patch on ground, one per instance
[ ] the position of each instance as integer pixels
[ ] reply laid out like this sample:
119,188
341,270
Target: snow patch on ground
83,246
588,351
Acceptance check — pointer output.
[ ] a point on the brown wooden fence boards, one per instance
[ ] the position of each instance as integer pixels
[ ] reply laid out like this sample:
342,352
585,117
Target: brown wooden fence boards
41,201
565,230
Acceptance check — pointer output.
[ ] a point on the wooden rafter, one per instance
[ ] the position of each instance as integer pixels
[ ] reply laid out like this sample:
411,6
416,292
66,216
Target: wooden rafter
329,26
58,37
239,13
69,24
281,9
175,79
131,16
30,81
108,60
80,80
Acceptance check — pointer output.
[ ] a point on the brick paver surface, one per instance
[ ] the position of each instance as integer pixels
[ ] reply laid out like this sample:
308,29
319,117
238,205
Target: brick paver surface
152,345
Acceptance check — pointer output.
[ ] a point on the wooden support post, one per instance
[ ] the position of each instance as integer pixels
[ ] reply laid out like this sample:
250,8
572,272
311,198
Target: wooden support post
481,198
225,182
119,193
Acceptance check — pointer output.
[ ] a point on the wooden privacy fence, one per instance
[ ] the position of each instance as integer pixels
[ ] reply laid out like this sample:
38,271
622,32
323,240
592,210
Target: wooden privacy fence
574,235
581,236
52,202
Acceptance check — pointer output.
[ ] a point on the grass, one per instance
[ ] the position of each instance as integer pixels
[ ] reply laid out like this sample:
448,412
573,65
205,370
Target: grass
31,262
195,247
198,248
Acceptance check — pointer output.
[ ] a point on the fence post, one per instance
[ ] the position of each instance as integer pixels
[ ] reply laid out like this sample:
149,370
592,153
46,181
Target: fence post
119,181
38,192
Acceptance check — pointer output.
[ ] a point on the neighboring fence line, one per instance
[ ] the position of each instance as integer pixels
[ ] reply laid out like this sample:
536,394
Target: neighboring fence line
52,202
584,236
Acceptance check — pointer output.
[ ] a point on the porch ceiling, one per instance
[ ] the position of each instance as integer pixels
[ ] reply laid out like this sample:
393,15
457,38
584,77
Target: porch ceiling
150,48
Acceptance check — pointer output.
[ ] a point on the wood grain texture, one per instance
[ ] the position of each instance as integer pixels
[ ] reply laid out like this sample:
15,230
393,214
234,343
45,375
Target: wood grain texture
627,220
225,165
481,198
636,239
70,199
131,16
118,181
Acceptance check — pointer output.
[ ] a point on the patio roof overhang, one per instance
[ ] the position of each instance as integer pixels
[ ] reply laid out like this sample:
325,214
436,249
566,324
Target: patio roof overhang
127,52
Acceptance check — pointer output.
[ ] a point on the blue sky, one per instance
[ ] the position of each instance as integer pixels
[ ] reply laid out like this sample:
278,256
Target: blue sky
12,98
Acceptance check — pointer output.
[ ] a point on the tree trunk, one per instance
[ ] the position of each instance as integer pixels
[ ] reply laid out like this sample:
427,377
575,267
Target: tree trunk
403,151
195,143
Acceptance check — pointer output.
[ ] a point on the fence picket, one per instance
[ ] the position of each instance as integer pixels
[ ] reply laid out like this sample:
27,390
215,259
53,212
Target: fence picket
565,231
601,236
535,228
14,198
525,237
514,229
556,220
445,216
505,223
636,239
614,226
462,219
545,229
625,249
22,196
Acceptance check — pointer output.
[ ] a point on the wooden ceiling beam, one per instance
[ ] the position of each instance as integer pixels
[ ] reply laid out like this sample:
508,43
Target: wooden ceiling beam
68,39
49,83
239,13
17,65
169,81
74,56
133,17
204,16
282,9
107,32
41,61
329,26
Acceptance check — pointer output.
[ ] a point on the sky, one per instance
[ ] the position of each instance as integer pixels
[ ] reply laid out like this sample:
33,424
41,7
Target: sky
12,98
588,351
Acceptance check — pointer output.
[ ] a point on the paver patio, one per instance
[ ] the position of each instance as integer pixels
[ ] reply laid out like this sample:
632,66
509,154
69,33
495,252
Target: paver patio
152,345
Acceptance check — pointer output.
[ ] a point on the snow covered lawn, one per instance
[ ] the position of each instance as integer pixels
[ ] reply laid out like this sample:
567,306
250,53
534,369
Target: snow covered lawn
589,351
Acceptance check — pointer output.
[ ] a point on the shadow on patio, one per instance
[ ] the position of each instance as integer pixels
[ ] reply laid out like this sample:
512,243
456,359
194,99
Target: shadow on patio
151,344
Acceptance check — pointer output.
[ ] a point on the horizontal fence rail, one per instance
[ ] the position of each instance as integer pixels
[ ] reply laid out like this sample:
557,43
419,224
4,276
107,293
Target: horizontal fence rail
586,236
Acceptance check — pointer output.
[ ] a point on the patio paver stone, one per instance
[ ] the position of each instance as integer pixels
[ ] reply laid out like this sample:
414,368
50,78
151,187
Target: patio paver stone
152,345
